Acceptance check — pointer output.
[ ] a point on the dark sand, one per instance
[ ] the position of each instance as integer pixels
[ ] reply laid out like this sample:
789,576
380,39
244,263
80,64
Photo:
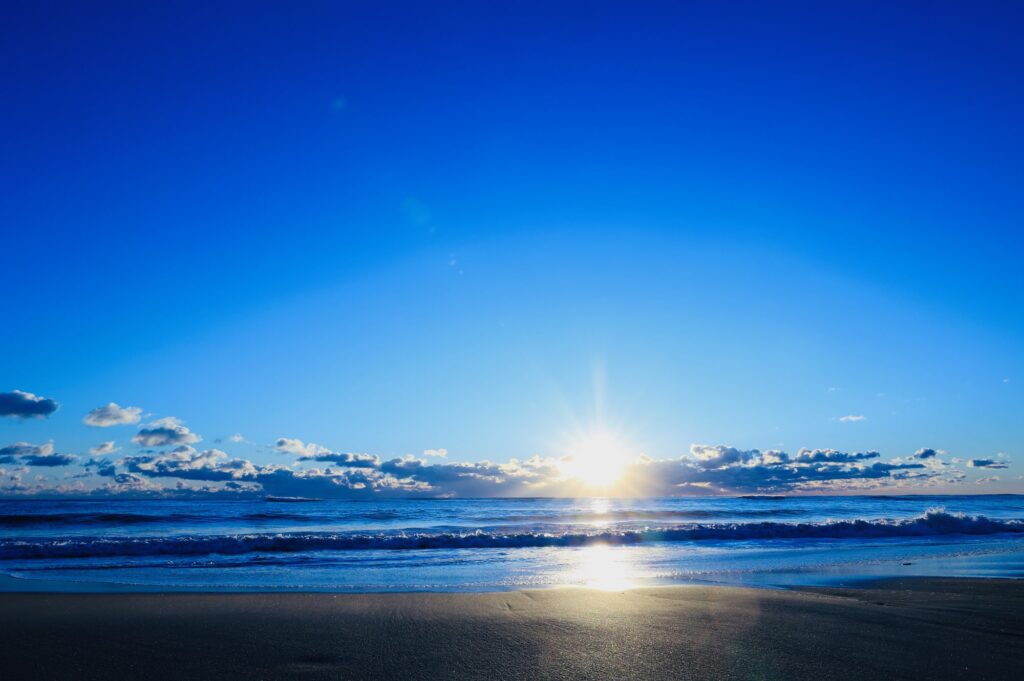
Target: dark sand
914,629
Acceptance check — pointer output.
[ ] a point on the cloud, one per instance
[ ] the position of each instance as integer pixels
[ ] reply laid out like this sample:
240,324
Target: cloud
15,451
129,482
987,463
29,454
349,459
315,452
190,464
165,432
706,469
986,481
850,418
20,404
439,453
925,453
50,460
237,437
288,445
112,415
728,470
108,447
102,467
832,456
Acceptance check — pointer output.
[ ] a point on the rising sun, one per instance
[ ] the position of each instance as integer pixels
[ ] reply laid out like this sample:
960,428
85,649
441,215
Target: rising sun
597,457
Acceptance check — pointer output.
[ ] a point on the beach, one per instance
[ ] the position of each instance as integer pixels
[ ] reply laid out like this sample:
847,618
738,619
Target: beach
907,629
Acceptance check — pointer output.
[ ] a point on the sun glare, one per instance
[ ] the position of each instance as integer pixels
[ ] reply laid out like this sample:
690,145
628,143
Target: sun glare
597,458
604,568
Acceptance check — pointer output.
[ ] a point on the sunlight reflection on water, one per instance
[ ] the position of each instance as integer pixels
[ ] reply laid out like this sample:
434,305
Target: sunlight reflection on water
603,567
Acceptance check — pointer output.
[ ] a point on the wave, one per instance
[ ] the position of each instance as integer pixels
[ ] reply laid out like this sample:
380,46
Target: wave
932,523
628,514
85,518
92,518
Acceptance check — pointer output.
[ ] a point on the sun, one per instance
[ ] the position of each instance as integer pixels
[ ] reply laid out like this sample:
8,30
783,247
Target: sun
597,458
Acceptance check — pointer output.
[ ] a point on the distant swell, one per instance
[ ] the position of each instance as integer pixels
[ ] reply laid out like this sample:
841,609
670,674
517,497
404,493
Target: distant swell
619,515
932,523
25,519
86,518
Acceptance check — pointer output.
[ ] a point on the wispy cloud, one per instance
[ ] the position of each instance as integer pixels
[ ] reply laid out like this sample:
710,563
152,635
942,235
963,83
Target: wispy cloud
851,418
103,448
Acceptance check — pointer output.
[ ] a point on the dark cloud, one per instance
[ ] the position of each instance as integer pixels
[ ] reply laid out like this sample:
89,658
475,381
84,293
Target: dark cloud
29,454
832,456
189,464
102,467
707,469
723,470
20,404
348,459
34,455
167,464
988,463
130,480
165,432
17,450
49,460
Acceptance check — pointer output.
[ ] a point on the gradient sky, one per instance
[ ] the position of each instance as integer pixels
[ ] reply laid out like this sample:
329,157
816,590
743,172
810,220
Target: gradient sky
484,227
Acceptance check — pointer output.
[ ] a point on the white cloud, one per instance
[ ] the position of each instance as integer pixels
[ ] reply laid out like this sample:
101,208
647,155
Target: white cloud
852,418
112,415
292,445
165,432
439,453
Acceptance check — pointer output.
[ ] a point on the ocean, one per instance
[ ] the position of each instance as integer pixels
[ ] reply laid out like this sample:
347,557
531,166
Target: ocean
501,544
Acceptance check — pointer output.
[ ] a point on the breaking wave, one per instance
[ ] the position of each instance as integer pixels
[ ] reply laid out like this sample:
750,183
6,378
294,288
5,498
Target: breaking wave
933,523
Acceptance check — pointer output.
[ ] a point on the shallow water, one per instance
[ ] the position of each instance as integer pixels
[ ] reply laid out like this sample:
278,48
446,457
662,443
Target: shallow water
493,544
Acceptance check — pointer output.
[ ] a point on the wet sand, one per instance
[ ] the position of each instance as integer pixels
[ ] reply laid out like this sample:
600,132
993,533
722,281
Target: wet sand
908,629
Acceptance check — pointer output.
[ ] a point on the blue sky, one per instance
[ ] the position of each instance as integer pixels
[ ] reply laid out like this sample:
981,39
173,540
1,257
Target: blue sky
489,228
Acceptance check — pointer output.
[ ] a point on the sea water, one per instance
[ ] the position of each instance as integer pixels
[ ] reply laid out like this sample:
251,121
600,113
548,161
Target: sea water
497,544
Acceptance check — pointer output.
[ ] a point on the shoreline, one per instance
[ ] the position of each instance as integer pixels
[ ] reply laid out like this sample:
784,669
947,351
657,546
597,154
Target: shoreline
936,628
